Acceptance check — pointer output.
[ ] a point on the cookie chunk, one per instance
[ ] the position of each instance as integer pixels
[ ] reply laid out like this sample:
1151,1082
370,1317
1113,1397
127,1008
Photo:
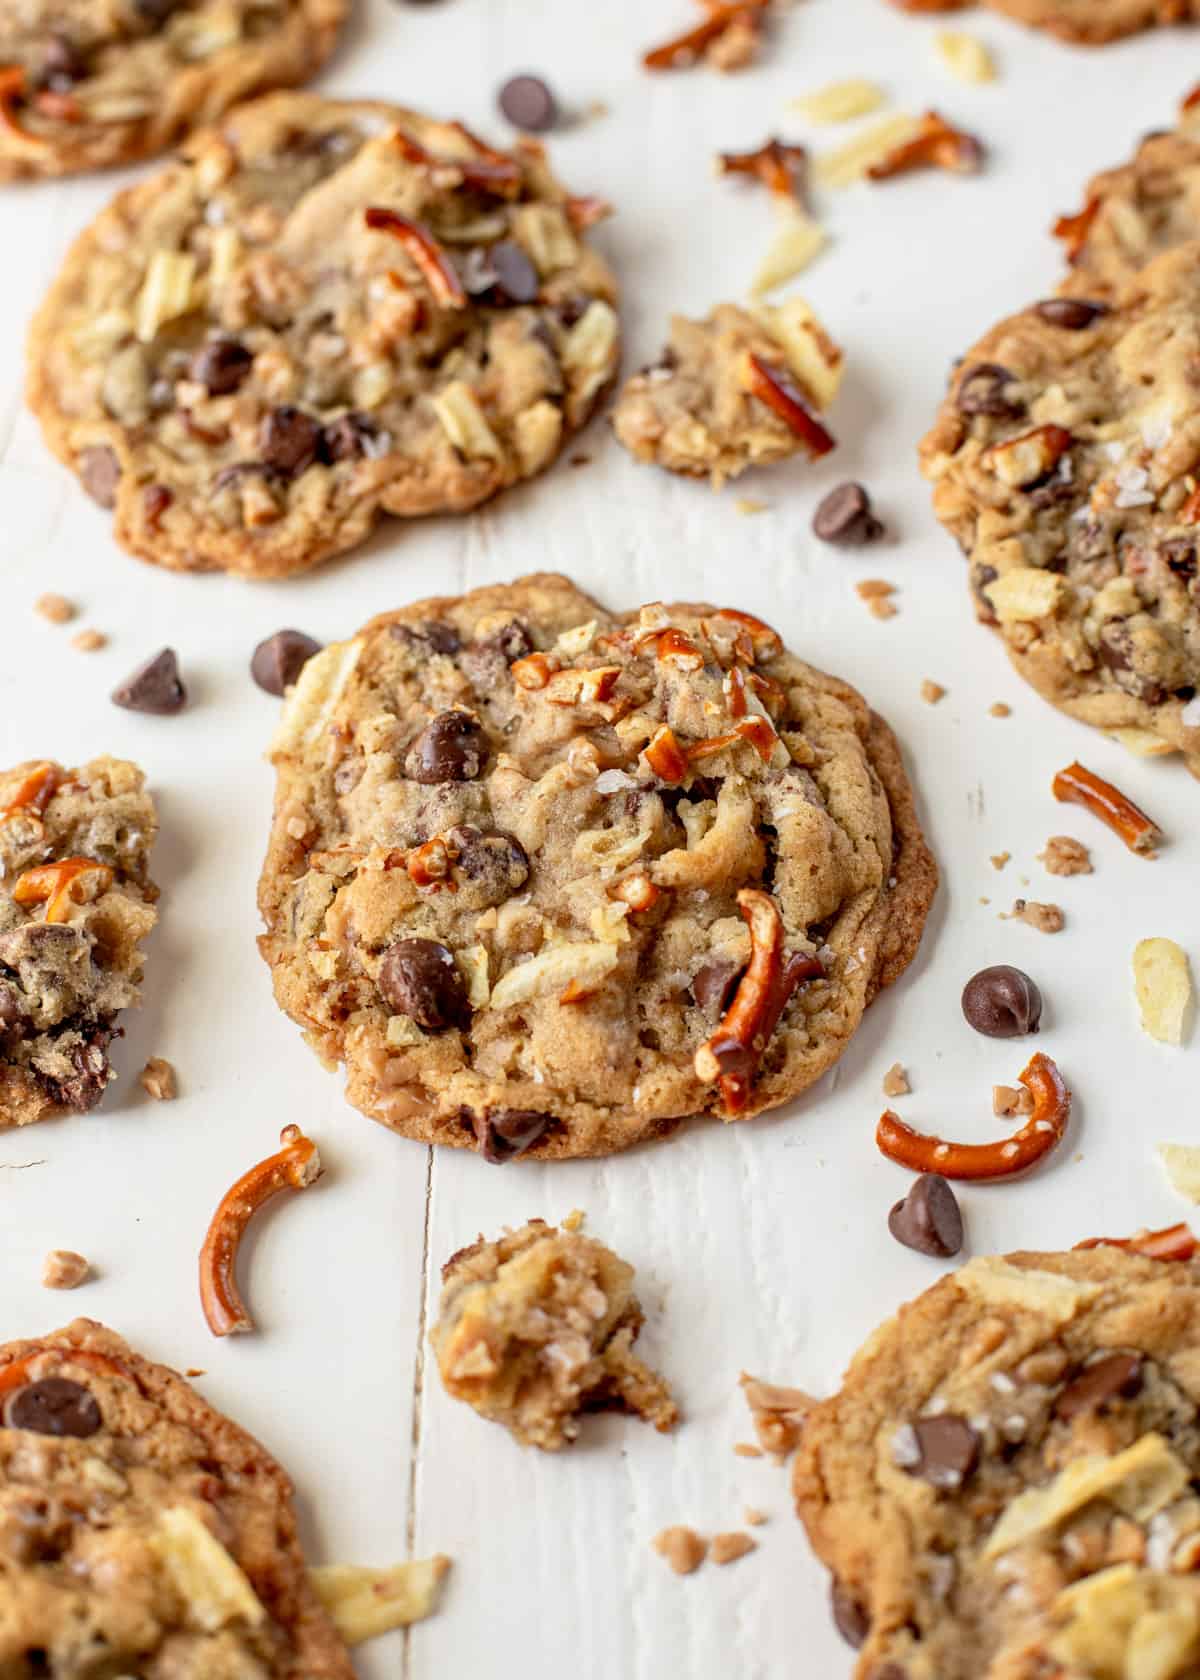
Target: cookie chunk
538,1327
1082,22
730,392
547,880
89,83
319,313
1004,1485
75,906
140,1531
1064,462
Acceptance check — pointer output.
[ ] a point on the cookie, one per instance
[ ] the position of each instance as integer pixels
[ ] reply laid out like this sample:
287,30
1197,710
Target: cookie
1064,461
319,313
1082,22
731,392
90,83
538,1327
547,880
1003,1487
140,1531
75,906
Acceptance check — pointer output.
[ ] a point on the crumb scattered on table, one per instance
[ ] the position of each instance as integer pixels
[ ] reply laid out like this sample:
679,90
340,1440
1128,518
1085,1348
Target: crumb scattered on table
1008,1100
1000,709
1065,856
727,1548
64,1269
574,1220
877,593
747,1449
89,641
158,1079
999,859
750,504
753,1518
932,691
778,1413
895,1082
55,608
1046,918
683,1548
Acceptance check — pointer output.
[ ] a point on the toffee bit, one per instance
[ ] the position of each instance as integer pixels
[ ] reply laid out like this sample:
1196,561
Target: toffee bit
683,1548
782,168
895,1082
64,1269
727,1548
89,641
999,859
158,1079
56,609
878,596
999,709
1046,918
932,692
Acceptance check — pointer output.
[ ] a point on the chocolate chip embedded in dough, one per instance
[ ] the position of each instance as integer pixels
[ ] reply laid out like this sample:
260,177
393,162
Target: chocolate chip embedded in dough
55,1406
420,978
713,986
155,687
221,365
279,660
289,440
504,1133
948,1450
1002,1002
849,1617
100,473
928,1219
351,436
1075,314
981,391
1119,1377
451,748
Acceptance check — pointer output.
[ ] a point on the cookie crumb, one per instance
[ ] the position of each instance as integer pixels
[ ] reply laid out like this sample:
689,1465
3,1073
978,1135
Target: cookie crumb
876,593
56,608
683,1548
753,1518
195,1371
999,859
895,1082
727,1548
1000,710
750,504
574,1220
89,641
779,1413
64,1269
1008,1100
1065,856
1046,918
932,692
579,460
747,1449
158,1079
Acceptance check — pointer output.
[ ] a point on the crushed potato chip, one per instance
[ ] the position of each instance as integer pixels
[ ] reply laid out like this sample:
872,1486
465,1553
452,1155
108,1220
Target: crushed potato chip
1140,742
964,56
309,705
1182,1164
996,1283
582,963
1025,593
1143,1479
1163,984
167,292
366,1602
464,423
841,101
850,163
212,1585
796,243
812,356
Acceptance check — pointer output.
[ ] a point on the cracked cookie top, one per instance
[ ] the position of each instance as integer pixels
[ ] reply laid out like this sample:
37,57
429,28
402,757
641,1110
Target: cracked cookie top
89,83
320,313
1066,461
141,1531
75,906
1004,1489
548,880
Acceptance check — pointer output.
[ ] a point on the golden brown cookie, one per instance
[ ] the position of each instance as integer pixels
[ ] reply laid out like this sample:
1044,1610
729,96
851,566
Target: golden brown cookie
75,905
140,1531
319,313
547,880
1004,1487
1089,23
89,83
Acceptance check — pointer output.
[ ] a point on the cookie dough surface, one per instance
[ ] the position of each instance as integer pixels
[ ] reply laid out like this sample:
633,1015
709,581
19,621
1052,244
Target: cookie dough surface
513,930
75,906
1003,1489
1064,461
538,1327
90,83
140,1531
319,313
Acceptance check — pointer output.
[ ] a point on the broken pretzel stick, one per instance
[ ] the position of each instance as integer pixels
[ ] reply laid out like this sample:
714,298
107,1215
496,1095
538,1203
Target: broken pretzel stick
435,267
922,1153
935,145
781,168
35,792
59,885
784,398
684,50
1077,786
1173,1242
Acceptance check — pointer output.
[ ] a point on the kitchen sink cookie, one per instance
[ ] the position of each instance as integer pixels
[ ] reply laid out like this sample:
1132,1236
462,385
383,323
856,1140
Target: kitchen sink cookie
732,391
75,906
140,1531
548,879
1004,1489
538,1327
89,83
1064,460
319,313
1082,22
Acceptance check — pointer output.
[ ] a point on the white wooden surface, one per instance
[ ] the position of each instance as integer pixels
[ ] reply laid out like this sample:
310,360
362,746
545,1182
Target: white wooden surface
762,1247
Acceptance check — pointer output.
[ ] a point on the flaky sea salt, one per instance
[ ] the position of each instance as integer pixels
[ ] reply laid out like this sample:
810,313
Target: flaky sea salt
1132,488
612,781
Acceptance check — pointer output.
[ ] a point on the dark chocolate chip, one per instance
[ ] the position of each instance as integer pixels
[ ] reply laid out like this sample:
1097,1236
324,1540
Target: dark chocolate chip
221,365
981,391
504,1133
949,1450
62,64
1180,557
1117,655
1072,313
849,1617
928,1218
495,865
154,687
512,640
714,985
844,517
528,103
451,748
419,978
156,11
981,576
350,437
1118,1377
277,662
55,1406
289,440
1002,1002
500,274
433,635
100,471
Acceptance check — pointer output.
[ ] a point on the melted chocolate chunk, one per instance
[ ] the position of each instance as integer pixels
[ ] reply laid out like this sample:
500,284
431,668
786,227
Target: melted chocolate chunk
55,1406
981,391
948,1448
419,978
713,986
1118,1377
350,437
1072,313
451,748
289,440
504,1133
221,365
849,1617
100,472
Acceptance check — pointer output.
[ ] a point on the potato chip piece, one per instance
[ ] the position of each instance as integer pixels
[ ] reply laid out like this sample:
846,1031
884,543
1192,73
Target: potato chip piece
850,163
1182,1164
1140,1481
364,1603
839,102
798,241
965,56
1163,984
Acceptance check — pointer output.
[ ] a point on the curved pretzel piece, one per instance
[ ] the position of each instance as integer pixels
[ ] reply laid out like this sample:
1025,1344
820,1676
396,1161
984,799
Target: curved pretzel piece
436,268
1043,1130
59,885
1173,1242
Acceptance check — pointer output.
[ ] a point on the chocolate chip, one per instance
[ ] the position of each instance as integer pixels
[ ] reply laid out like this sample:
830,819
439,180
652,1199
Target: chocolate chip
156,499
500,274
289,440
512,640
849,1617
55,1406
451,748
948,1448
100,471
277,662
154,687
1072,313
844,517
419,978
432,636
1119,1377
1117,655
156,11
1002,1002
489,867
528,103
220,365
62,64
928,1218
981,391
350,437
504,1133
714,985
